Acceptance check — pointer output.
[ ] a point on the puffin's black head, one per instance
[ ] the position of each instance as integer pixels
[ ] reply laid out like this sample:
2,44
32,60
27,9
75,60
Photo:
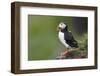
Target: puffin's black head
62,27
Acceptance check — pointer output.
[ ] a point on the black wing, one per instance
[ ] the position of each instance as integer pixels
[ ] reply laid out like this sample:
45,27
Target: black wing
70,39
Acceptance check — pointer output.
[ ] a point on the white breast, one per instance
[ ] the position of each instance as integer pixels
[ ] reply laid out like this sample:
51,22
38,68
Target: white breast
61,38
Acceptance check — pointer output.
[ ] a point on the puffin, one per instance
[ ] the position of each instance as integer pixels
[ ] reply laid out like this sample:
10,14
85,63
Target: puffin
67,39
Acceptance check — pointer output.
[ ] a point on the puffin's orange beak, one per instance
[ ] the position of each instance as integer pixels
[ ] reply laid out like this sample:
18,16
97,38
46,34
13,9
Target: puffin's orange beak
58,28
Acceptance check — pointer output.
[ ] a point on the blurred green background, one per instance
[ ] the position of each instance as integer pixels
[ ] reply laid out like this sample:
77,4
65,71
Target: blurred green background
43,42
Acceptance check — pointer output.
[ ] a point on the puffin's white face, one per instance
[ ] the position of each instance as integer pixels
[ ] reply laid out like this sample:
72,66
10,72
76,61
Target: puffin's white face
61,26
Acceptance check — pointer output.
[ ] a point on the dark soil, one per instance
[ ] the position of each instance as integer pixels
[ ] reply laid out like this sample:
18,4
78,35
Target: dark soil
75,55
